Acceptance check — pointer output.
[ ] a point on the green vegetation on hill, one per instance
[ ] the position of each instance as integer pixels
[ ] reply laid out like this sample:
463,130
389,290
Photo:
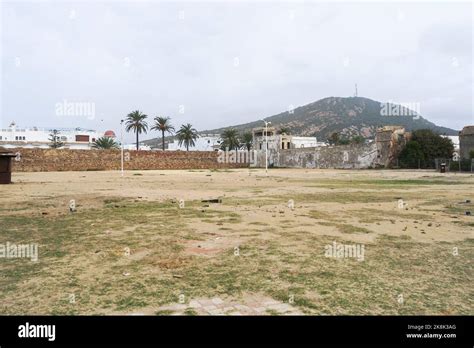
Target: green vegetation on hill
352,116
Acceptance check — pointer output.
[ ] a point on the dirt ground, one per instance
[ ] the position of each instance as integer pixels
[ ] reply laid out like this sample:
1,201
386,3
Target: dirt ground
130,248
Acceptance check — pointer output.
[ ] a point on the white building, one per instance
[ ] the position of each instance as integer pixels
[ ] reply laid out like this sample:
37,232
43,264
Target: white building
210,142
132,147
281,141
77,138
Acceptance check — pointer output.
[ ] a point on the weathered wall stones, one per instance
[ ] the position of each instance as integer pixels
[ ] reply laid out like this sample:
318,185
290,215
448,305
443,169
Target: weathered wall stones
45,160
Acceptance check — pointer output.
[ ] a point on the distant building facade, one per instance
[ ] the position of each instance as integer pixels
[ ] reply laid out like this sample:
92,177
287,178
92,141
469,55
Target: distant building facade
281,141
209,142
77,138
466,141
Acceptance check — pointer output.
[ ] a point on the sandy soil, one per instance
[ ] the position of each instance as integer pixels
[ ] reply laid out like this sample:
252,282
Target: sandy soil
191,250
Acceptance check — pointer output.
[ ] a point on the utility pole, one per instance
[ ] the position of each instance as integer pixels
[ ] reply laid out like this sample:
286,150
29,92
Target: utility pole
266,146
356,90
121,145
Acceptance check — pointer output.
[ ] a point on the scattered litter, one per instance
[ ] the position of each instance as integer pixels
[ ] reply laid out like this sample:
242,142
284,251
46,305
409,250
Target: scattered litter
205,206
181,203
126,274
214,200
291,204
177,276
468,213
44,213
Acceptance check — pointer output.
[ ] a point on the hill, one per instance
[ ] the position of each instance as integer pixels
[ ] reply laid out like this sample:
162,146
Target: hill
349,116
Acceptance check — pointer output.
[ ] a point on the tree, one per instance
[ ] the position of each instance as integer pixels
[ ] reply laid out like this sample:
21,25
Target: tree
230,139
334,138
284,130
136,121
187,135
105,143
433,146
247,140
163,124
411,156
54,138
343,141
358,139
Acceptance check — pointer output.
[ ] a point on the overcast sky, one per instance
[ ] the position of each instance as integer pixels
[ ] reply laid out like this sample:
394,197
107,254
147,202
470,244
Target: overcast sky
216,64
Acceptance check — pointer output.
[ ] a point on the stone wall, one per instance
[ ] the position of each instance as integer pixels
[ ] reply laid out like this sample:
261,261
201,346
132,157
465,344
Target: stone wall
340,157
45,160
466,141
382,152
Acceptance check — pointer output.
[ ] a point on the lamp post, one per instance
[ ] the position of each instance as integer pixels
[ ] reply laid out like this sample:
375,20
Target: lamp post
266,146
121,146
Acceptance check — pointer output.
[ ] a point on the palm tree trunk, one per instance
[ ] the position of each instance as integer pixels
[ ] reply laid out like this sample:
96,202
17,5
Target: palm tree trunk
163,139
187,147
137,139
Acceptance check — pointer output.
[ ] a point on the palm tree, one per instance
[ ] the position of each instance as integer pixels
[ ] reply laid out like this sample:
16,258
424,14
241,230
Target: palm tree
136,121
284,130
163,124
187,135
247,140
105,143
230,139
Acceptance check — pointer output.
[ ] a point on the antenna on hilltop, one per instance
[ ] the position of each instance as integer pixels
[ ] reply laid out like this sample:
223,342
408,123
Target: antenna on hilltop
355,95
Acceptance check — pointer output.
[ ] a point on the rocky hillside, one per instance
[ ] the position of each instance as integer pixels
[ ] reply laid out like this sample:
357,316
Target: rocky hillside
349,116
